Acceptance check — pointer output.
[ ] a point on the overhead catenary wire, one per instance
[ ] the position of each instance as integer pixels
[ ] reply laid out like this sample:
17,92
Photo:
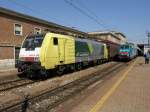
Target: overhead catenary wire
85,13
79,2
89,10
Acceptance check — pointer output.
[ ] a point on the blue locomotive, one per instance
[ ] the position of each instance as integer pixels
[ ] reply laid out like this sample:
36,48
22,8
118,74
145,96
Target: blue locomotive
128,51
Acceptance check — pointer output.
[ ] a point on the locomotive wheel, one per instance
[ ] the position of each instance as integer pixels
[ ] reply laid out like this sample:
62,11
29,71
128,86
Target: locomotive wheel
94,62
98,62
42,73
85,64
78,66
30,74
60,70
72,67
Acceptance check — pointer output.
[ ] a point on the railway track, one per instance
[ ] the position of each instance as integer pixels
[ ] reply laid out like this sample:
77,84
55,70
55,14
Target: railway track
8,85
50,99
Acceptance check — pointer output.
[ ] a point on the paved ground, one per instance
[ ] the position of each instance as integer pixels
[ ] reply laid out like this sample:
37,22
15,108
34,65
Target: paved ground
127,91
133,94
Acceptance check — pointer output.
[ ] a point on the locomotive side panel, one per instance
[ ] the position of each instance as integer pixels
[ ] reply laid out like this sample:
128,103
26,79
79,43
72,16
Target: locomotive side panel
105,52
57,50
69,50
82,51
98,52
49,52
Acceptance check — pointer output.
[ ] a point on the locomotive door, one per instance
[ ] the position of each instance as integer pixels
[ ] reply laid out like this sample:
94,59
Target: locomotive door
109,51
61,50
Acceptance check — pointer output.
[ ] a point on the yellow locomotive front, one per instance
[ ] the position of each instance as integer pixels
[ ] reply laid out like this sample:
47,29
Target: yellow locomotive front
43,52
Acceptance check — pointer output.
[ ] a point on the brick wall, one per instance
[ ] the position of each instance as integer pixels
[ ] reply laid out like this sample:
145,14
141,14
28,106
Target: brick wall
7,29
6,52
7,36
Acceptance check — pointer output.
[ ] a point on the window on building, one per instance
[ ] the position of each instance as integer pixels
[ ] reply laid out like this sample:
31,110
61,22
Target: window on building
37,30
18,29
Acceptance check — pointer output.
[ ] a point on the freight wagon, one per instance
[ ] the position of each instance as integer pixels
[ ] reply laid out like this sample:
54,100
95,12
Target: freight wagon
113,49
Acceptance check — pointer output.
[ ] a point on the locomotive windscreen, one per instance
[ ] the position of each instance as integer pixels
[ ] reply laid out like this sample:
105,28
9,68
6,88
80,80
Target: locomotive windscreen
31,42
124,47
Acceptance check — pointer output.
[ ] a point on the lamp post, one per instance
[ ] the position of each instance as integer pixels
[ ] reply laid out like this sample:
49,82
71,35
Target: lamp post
148,34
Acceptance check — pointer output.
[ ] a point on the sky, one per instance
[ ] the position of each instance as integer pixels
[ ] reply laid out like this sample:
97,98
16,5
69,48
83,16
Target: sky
131,17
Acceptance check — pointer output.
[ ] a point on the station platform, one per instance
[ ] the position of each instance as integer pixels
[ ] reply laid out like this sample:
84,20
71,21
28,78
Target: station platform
129,91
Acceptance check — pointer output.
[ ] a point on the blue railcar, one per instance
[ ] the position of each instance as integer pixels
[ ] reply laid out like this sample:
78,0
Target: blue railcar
127,51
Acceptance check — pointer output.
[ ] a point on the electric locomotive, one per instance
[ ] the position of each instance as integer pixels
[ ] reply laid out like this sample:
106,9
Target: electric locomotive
44,52
127,51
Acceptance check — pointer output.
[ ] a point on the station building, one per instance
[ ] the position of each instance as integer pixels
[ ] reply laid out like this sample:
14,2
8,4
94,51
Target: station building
112,36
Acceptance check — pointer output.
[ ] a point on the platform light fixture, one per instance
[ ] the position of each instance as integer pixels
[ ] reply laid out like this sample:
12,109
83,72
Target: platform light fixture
148,35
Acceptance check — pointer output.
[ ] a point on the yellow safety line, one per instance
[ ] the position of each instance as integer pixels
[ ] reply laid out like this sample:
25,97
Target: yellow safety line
102,100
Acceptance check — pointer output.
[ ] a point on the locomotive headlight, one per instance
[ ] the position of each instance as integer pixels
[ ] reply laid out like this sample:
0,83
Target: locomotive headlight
21,59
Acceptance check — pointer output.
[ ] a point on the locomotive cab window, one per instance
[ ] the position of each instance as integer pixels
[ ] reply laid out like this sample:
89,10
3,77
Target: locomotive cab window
55,41
33,41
